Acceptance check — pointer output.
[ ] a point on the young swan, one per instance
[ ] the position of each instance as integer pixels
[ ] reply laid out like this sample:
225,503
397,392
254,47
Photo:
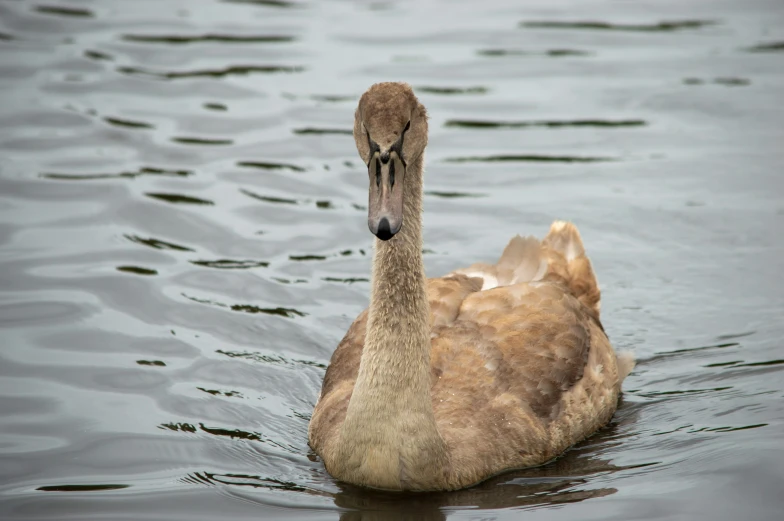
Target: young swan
445,382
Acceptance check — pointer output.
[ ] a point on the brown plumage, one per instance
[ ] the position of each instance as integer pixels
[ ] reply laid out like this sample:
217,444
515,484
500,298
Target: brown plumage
444,382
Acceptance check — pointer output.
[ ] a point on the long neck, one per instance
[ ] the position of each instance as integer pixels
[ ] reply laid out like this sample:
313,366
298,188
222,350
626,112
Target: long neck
391,409
397,345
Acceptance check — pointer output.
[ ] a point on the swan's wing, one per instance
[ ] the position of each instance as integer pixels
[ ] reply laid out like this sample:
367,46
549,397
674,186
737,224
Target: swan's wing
525,359
446,295
338,385
344,364
522,373
530,341
527,334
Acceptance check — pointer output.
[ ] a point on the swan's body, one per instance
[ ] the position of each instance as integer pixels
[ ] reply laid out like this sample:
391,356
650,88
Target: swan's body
444,382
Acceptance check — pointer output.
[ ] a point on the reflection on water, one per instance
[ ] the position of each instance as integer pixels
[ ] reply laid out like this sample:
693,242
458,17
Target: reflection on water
566,480
563,481
183,242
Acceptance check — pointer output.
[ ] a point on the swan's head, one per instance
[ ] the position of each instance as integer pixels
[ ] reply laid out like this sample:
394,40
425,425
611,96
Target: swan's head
390,129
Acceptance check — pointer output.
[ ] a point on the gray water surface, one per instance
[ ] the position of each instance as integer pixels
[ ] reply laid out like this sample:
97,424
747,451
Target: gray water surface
183,242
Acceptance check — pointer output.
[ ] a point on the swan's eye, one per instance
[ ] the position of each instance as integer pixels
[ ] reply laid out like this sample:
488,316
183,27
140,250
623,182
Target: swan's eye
370,143
408,125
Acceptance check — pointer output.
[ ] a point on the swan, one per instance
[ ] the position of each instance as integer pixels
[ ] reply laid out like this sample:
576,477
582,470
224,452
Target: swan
442,383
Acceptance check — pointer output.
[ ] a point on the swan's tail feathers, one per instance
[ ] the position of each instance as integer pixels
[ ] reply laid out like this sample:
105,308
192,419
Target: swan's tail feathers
565,239
568,262
521,261
625,364
560,257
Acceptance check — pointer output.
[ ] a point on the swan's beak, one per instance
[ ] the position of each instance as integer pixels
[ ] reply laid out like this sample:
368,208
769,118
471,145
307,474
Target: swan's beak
385,207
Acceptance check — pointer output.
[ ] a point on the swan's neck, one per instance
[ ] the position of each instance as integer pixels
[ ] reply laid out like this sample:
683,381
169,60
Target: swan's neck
390,416
396,358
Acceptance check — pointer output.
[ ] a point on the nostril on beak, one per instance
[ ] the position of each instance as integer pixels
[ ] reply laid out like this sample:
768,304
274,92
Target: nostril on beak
384,232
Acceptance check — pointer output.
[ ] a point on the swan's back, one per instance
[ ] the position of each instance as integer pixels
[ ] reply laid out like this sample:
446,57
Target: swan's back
521,367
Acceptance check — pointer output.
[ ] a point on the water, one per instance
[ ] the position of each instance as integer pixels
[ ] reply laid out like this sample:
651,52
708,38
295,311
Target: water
183,242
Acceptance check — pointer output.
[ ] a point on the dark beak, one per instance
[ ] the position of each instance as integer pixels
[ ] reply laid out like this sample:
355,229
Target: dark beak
385,206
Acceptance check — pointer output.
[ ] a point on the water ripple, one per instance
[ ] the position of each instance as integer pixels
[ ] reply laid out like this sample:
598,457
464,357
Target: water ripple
534,158
600,123
234,70
555,53
250,308
142,171
452,90
267,165
82,488
199,141
265,3
218,38
60,10
137,270
155,363
663,26
127,123
767,47
157,244
179,199
230,264
319,131
243,480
